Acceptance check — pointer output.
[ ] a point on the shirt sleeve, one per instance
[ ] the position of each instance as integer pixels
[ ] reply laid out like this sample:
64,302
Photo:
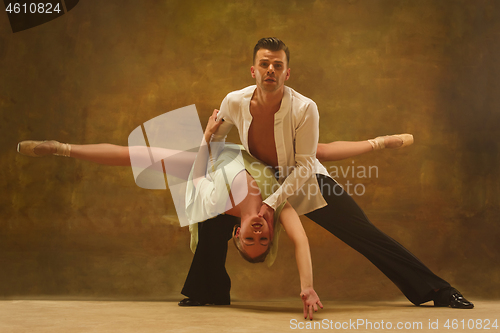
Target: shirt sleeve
306,143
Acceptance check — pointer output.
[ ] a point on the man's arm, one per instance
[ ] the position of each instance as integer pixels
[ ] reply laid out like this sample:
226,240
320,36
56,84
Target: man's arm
293,227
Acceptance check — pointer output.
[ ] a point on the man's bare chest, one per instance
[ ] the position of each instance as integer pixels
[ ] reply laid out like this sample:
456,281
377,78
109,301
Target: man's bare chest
261,141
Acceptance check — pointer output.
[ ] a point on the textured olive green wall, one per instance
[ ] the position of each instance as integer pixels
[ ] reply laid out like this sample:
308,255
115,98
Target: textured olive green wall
78,230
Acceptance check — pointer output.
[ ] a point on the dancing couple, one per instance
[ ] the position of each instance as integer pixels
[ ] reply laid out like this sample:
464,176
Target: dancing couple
270,112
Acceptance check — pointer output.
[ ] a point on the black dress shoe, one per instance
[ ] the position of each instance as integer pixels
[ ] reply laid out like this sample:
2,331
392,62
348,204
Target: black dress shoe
451,297
191,302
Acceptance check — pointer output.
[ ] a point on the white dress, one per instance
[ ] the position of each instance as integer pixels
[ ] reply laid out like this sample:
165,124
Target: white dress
210,197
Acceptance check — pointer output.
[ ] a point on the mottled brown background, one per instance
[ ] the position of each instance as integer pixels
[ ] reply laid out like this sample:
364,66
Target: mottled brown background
72,229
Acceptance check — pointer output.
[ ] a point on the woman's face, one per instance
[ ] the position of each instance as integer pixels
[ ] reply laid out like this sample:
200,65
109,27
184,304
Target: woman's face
255,236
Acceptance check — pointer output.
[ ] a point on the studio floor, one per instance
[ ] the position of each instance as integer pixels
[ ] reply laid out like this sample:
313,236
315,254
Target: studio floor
278,316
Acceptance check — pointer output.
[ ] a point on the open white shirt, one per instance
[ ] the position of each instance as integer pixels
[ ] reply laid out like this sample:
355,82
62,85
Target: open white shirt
296,133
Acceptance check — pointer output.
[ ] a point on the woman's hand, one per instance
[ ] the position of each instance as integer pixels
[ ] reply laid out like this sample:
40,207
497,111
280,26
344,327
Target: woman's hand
311,302
212,125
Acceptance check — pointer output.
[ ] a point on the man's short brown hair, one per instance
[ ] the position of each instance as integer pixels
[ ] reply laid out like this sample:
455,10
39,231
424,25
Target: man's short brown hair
271,44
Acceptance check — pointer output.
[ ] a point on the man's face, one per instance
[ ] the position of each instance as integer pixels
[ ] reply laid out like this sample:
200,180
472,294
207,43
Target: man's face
270,70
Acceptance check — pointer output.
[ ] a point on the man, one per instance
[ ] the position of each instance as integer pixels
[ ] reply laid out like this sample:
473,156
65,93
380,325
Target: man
269,113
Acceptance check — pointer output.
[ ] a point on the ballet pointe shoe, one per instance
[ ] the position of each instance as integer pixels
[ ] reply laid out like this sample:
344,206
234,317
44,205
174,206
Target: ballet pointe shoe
380,142
52,148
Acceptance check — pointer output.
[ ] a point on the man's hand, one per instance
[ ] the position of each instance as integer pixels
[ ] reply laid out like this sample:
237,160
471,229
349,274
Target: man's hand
268,214
212,125
311,302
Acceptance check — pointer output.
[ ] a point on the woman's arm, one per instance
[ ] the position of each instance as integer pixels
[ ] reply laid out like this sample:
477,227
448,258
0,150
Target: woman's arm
201,161
293,227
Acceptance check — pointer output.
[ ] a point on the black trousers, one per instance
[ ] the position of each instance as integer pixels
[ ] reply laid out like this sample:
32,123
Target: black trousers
208,280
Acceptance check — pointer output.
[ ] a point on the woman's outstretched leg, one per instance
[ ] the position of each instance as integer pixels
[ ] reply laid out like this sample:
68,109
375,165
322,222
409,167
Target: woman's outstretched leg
339,150
102,153
176,162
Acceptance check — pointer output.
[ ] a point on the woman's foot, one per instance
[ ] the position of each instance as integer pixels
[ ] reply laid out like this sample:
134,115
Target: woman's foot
43,148
391,141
